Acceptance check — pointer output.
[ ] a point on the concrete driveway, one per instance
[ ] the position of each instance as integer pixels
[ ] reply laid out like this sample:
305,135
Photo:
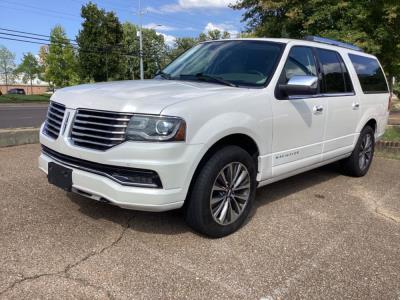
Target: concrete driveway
318,235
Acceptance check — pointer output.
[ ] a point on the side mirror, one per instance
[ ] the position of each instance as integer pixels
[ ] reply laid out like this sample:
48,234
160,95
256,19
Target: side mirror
300,85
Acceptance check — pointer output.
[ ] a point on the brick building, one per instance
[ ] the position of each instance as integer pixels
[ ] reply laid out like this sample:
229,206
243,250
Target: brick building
38,86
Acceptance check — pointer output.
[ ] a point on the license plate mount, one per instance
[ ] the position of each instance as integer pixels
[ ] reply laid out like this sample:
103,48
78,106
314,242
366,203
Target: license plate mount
60,176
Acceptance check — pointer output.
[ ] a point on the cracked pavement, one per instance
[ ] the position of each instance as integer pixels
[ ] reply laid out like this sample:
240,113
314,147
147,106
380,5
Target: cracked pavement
316,235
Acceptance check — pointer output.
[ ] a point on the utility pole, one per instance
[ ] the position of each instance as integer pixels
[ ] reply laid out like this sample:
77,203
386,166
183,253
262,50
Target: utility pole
141,41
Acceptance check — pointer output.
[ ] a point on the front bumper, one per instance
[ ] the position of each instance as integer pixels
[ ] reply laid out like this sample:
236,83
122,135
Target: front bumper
103,189
174,163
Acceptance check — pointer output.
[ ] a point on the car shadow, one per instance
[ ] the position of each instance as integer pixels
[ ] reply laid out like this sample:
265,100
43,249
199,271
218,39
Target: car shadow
172,222
294,184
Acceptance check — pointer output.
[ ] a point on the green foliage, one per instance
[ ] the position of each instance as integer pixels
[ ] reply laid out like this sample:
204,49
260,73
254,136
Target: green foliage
182,45
24,98
60,63
100,44
217,35
7,64
130,45
185,43
154,52
29,68
373,25
392,133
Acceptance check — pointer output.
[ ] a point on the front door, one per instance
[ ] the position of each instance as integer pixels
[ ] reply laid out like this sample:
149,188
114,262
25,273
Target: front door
299,122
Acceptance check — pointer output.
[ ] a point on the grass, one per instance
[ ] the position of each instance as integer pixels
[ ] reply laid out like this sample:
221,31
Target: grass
392,133
24,98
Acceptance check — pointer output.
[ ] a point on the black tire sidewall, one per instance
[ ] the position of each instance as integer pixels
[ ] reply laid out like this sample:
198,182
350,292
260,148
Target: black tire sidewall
198,213
354,166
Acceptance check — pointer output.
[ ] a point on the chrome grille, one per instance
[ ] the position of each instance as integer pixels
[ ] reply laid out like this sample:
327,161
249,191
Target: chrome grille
99,130
54,118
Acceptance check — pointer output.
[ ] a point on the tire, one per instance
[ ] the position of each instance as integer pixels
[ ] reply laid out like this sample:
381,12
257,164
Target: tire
217,209
363,152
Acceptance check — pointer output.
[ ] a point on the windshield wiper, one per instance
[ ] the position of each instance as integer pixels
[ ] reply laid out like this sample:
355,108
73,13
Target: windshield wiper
164,75
203,76
206,77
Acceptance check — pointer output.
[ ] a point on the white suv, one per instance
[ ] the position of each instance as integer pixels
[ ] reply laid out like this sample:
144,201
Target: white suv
224,118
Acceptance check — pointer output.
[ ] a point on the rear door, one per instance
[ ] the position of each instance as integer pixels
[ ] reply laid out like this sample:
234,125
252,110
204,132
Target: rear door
374,91
342,114
299,122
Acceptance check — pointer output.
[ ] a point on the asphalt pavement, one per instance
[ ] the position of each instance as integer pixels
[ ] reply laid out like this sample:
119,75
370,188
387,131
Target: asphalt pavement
22,115
33,115
319,235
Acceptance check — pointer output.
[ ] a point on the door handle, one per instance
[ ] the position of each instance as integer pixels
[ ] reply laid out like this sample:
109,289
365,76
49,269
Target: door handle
317,109
356,106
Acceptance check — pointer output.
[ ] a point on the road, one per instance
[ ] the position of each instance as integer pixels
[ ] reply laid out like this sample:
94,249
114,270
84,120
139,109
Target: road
22,115
32,115
319,235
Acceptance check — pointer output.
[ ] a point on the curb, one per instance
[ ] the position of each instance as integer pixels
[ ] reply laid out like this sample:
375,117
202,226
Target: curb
18,136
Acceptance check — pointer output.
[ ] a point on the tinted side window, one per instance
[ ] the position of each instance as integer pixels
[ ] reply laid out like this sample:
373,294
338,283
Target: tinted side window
299,62
370,74
333,75
347,79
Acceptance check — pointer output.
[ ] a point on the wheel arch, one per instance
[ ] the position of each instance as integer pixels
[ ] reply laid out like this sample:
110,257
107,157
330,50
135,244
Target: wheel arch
372,123
241,140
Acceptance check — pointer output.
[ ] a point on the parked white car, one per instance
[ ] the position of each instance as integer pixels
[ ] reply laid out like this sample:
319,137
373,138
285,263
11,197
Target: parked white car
224,118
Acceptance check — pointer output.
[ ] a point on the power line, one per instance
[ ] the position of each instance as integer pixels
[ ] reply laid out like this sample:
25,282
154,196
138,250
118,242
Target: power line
104,50
35,38
73,42
30,33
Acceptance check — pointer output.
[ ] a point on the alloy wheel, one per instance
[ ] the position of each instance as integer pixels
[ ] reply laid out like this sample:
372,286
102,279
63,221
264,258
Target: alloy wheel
365,154
230,193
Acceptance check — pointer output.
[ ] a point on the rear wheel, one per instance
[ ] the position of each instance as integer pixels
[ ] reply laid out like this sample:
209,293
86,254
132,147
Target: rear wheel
223,193
361,158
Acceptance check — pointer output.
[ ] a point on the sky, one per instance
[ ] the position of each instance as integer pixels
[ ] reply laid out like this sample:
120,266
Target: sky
172,18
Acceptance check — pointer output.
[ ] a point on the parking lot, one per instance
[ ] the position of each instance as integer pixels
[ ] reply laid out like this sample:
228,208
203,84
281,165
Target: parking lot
317,235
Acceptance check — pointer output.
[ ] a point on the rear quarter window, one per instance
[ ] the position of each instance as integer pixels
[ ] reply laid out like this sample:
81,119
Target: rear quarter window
336,78
369,74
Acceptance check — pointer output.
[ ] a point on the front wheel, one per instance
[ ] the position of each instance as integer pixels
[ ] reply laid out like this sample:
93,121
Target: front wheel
223,193
361,158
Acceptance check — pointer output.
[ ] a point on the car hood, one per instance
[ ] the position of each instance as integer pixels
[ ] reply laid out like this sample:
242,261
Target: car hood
141,96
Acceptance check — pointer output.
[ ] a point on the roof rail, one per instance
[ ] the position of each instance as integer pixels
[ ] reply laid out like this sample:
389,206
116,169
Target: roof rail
322,40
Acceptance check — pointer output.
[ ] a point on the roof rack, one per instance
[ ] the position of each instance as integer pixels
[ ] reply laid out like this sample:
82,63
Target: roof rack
322,40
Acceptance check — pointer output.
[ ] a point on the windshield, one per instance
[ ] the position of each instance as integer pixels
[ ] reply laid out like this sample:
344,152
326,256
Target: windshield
236,63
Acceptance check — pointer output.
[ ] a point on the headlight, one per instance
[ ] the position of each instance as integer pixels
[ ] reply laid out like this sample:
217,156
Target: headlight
155,128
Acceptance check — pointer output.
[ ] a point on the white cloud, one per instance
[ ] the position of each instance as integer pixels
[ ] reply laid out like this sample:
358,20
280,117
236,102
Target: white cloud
159,27
222,27
182,5
169,39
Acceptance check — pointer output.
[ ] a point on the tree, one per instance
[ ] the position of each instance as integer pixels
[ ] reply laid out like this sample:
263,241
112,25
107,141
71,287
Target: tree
60,62
7,64
154,52
100,44
130,46
42,60
184,44
29,68
371,24
154,56
217,35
